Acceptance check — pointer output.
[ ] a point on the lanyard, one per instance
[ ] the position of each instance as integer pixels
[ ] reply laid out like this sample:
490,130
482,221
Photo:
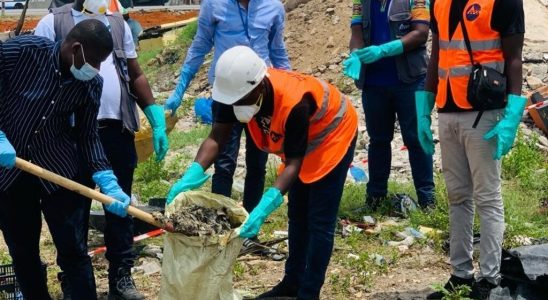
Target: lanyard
244,24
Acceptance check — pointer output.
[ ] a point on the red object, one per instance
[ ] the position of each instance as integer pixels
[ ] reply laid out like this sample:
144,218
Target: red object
135,239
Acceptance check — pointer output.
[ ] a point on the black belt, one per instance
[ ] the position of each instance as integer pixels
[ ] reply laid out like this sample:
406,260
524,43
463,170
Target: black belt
113,123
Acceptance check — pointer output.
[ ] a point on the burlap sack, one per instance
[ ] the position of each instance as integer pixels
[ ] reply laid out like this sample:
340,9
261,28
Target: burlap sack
201,267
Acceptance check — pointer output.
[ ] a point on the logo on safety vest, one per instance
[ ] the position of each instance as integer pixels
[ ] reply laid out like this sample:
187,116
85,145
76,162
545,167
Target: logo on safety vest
473,12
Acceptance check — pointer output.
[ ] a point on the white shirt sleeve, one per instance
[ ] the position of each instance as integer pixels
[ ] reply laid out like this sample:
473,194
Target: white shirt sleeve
45,27
129,46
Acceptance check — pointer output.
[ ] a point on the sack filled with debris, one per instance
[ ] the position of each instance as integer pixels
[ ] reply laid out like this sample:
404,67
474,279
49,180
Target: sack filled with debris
197,264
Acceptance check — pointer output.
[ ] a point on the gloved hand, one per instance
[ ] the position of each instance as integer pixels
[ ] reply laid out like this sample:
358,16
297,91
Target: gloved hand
505,130
173,102
156,118
271,200
352,66
371,54
193,178
108,184
7,153
424,103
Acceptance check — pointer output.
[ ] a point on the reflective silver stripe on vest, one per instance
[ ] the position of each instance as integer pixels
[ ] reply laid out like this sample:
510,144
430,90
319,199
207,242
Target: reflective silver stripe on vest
476,45
315,143
465,70
325,103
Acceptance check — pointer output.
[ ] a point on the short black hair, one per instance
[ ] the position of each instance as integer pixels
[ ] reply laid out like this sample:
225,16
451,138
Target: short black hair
92,34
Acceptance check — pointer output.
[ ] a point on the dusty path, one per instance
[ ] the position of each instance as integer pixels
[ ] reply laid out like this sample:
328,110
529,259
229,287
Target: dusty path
146,18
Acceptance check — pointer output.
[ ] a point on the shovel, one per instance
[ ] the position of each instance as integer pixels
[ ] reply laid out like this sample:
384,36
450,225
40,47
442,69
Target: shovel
85,191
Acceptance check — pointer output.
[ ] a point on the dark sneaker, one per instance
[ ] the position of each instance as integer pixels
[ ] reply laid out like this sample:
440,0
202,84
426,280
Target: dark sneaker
65,287
123,287
373,203
450,286
481,289
282,291
251,246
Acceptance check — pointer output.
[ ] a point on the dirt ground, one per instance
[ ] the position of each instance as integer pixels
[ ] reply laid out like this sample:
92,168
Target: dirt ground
146,18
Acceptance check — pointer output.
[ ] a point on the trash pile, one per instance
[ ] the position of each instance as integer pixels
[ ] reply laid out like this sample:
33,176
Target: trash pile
196,220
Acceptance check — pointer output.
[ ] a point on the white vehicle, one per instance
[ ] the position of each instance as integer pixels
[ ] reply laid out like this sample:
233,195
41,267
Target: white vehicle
13,4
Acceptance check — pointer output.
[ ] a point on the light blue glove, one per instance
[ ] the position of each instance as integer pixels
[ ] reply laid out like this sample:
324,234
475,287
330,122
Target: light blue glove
271,200
424,103
108,184
7,153
352,66
157,120
371,54
174,101
193,178
505,130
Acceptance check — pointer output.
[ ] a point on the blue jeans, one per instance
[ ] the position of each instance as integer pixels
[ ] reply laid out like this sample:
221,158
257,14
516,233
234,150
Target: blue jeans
21,206
225,166
119,147
382,105
312,213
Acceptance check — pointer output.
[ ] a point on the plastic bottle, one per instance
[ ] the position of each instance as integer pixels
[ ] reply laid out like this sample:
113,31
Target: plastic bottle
358,174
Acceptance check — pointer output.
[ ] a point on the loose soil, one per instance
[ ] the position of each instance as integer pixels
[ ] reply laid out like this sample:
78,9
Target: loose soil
146,18
197,221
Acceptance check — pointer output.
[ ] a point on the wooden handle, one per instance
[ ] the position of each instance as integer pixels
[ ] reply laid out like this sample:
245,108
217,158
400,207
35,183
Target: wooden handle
81,189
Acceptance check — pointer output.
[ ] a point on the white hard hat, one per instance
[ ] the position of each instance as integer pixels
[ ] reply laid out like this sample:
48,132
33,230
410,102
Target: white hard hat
239,70
95,7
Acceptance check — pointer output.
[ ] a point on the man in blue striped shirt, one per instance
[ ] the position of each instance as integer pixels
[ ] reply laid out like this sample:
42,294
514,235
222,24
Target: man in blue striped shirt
43,84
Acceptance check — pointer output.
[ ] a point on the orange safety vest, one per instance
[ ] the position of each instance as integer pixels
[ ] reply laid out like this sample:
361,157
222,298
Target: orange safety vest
332,127
454,64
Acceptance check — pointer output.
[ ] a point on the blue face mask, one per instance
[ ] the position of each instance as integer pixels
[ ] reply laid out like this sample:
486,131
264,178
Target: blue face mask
86,72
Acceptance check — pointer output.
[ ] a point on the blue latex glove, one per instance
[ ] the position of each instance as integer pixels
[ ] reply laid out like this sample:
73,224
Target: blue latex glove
352,66
505,130
108,184
371,54
7,152
271,200
157,120
174,101
193,178
424,103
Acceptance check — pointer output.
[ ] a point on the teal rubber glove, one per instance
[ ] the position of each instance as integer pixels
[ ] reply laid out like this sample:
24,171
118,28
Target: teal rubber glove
108,183
371,54
424,103
174,101
157,120
352,66
271,200
193,178
7,152
505,130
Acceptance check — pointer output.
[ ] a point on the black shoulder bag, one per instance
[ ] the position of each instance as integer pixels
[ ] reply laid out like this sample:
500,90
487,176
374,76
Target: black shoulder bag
486,86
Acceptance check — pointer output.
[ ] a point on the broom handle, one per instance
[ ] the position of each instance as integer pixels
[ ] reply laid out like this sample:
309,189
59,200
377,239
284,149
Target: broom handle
81,189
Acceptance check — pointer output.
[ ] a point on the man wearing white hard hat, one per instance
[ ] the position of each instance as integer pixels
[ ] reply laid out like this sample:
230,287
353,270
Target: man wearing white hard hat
312,127
125,87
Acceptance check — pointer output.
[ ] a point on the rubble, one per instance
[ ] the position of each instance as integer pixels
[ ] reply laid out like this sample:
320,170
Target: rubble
197,221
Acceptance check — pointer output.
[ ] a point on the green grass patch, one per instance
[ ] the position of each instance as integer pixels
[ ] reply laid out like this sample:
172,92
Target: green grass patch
195,136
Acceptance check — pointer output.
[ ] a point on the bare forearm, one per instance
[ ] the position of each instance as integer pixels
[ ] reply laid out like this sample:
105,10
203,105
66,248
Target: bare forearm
213,144
289,174
139,85
512,48
356,38
415,38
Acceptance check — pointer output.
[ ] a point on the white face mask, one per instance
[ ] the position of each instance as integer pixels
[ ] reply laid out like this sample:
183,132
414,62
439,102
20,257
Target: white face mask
94,7
244,113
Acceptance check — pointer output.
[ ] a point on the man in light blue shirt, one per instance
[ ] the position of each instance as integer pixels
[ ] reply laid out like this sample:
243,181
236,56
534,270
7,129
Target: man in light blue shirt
258,24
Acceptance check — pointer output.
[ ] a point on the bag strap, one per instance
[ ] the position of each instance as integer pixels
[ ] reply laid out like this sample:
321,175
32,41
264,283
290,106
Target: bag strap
466,37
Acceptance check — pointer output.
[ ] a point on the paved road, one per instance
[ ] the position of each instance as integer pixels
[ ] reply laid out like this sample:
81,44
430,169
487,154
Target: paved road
43,11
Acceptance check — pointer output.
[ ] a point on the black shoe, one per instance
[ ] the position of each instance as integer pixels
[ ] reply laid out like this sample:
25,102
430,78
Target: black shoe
373,203
481,289
123,287
65,286
450,286
282,291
